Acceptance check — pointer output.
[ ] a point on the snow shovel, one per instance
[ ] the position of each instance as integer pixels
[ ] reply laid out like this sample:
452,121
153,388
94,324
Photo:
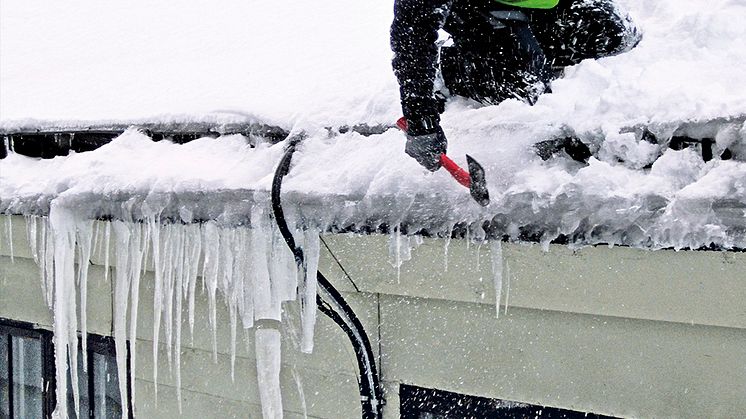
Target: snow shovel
473,179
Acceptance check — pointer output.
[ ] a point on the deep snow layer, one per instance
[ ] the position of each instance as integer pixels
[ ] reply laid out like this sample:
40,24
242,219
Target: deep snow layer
328,63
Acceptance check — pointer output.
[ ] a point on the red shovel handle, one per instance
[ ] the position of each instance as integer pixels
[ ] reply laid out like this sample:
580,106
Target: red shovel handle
461,175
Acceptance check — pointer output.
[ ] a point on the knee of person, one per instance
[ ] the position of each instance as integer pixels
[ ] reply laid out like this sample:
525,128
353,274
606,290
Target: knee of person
615,30
622,29
631,35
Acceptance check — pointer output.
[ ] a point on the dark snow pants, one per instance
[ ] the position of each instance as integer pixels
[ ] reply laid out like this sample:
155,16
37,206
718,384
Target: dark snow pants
519,51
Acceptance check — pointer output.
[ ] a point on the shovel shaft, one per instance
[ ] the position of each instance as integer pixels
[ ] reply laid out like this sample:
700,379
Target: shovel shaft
461,175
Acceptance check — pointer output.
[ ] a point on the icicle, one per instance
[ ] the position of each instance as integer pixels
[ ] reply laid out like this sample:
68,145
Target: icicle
95,247
168,262
394,243
65,333
138,251
445,249
107,244
507,286
48,258
545,243
84,236
395,251
226,259
178,288
210,276
31,237
283,271
301,393
263,308
233,321
307,298
229,248
268,358
400,250
154,227
243,278
479,254
497,272
236,289
39,253
121,294
194,256
175,244
9,233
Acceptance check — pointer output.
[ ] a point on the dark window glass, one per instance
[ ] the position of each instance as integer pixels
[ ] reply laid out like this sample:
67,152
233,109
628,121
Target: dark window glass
27,377
425,403
22,371
82,390
108,402
4,381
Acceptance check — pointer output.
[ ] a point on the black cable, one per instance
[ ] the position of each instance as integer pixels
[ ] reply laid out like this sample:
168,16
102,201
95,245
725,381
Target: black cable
332,304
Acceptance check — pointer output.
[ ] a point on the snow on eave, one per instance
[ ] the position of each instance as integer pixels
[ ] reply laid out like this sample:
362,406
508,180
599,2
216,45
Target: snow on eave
232,208
343,181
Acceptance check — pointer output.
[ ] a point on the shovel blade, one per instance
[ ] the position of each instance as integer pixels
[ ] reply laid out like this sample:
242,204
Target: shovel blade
478,187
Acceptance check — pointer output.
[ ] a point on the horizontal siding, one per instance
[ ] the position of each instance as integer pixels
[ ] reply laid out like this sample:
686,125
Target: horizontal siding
328,395
195,405
609,365
699,287
21,295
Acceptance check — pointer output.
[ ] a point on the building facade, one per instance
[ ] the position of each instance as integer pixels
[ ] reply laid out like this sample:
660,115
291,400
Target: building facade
610,331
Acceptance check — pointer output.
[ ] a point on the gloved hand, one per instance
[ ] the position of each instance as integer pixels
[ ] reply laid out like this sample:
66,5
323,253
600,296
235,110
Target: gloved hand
426,147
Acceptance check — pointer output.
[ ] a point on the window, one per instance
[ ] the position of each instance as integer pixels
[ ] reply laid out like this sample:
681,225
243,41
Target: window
424,403
27,375
24,383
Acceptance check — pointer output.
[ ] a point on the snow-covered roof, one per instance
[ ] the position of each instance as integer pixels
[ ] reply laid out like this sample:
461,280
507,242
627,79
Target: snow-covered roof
309,68
315,67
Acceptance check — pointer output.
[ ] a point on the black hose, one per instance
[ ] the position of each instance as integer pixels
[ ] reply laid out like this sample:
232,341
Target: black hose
332,304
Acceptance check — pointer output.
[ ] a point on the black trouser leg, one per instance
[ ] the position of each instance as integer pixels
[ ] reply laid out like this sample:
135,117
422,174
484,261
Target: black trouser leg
581,29
506,63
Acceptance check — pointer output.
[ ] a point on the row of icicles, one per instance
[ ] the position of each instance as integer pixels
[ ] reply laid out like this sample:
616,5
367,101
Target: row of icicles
250,267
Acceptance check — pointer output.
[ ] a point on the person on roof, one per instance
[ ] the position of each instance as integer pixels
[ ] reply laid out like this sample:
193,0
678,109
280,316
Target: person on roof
498,49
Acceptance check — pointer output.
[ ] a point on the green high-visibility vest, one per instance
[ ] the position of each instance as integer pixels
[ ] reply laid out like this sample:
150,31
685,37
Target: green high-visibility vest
531,4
